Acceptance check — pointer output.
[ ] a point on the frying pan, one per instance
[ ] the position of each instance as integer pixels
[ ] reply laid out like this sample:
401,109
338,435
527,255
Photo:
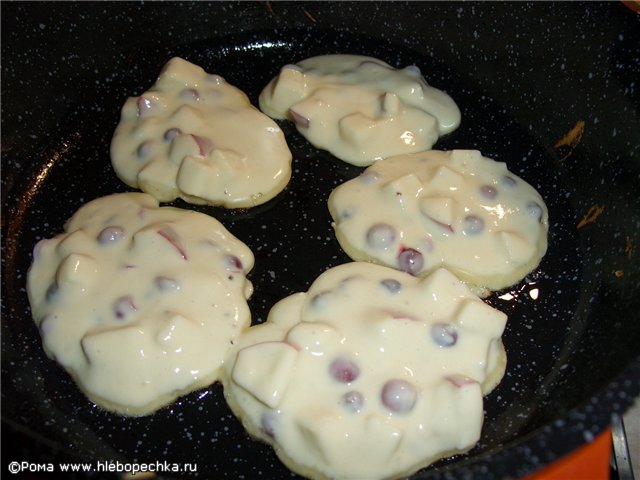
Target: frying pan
549,88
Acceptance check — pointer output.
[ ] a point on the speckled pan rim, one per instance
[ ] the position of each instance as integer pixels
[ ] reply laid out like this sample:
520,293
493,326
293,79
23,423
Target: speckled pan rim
547,444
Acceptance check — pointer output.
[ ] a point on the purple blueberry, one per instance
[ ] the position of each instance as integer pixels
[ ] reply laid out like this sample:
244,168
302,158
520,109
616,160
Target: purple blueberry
171,134
413,69
410,261
353,401
110,235
344,370
391,284
381,235
535,210
189,95
233,263
368,177
320,300
347,213
166,284
508,181
427,244
144,105
399,396
488,192
144,150
444,334
51,292
123,307
213,78
268,423
472,225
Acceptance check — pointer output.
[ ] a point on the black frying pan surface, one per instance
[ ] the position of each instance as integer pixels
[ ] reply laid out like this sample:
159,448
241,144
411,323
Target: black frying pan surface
574,323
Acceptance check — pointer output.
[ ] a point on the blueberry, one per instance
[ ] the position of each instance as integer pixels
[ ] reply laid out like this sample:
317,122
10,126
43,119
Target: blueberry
320,300
166,284
51,292
535,210
123,307
110,235
233,263
353,400
444,334
368,177
472,225
508,181
144,105
171,134
410,261
392,285
269,422
399,396
189,95
344,370
488,192
144,150
381,235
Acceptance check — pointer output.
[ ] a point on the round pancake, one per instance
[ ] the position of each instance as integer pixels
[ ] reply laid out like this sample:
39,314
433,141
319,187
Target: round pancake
194,136
372,373
455,209
140,304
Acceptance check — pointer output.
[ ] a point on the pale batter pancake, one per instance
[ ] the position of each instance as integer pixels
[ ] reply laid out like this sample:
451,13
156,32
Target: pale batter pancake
371,374
360,108
456,209
140,304
196,137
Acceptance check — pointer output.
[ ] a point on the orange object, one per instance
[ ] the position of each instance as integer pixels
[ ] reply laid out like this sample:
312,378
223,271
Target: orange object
633,5
589,462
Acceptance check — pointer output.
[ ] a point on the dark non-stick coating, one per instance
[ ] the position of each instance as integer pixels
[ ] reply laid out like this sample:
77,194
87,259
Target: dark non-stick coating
524,76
